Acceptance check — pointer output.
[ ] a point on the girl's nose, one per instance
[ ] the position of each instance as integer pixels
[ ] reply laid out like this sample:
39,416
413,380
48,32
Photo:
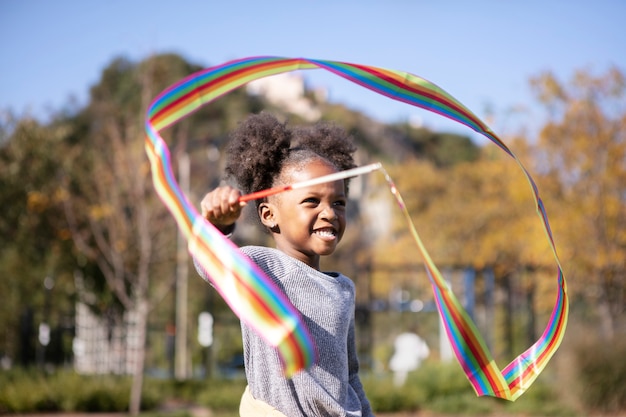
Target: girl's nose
329,213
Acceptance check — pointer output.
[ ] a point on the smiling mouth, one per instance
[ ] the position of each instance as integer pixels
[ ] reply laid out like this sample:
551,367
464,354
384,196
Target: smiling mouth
326,232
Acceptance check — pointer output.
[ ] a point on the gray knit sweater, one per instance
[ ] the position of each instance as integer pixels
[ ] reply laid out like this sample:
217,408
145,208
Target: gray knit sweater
331,387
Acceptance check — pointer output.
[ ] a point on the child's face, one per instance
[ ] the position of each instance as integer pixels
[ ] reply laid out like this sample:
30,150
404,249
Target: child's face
310,221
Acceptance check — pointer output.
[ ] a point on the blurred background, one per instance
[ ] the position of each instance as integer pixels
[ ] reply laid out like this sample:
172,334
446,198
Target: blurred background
101,307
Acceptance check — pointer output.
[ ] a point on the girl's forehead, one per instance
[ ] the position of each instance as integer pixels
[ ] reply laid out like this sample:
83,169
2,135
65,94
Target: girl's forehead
305,170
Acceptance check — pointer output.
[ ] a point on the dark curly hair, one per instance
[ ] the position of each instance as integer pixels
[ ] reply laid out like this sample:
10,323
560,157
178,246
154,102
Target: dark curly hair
261,146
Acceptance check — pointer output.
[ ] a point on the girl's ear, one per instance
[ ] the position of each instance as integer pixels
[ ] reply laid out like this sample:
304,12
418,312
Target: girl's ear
266,214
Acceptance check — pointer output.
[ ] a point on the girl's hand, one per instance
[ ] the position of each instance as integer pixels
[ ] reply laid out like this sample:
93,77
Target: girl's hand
221,207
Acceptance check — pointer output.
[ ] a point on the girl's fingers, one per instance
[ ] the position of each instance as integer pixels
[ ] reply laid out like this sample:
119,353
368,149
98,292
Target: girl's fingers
221,206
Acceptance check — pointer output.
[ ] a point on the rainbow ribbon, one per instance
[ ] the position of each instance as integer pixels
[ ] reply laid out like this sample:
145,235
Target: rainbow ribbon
258,302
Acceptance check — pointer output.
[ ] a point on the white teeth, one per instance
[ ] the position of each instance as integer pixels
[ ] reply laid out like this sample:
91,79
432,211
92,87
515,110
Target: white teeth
325,232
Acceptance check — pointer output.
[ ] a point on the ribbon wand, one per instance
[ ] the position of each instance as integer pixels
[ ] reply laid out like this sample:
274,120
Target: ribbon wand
342,175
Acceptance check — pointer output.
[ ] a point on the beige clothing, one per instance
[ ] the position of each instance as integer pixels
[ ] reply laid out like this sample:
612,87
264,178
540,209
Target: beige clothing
251,407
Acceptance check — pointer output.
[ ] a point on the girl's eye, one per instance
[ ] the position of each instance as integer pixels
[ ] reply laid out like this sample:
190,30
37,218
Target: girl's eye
340,203
311,200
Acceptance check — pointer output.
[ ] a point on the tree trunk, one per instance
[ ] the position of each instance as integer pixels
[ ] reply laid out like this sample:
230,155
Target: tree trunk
531,335
137,383
508,315
606,320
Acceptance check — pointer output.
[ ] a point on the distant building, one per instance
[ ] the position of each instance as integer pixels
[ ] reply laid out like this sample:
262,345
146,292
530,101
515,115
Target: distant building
287,91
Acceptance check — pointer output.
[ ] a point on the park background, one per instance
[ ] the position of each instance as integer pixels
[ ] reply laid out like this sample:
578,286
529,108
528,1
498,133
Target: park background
83,238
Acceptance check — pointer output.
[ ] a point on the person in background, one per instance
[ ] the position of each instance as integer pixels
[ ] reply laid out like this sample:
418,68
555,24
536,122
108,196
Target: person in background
409,352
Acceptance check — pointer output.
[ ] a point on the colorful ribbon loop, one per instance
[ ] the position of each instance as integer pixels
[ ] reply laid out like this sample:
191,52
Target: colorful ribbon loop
257,301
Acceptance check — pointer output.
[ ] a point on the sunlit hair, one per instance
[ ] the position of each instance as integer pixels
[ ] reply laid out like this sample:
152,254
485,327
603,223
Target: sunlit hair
261,147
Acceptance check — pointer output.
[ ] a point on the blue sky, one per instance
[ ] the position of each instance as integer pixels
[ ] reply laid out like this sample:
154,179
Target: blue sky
481,52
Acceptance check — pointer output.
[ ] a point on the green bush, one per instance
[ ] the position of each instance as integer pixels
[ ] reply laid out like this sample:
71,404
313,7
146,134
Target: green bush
385,397
222,395
26,391
422,390
64,391
602,369
441,380
434,387
444,389
464,403
541,399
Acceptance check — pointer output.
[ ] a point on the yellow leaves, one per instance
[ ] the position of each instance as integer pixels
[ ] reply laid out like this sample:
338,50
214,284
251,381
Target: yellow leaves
61,194
37,202
617,82
120,245
548,88
545,284
584,153
478,214
100,211
64,234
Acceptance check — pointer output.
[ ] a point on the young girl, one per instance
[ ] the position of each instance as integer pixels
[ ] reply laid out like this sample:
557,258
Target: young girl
306,224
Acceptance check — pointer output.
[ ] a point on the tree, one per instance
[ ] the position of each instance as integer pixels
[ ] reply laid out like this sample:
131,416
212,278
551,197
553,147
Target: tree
35,243
477,214
582,154
110,208
115,216
443,149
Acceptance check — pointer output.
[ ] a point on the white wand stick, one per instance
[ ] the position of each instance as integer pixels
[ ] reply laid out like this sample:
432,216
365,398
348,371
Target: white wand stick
342,175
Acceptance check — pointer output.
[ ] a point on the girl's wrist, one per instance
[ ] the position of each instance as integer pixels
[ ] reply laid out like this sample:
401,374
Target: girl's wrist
226,229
